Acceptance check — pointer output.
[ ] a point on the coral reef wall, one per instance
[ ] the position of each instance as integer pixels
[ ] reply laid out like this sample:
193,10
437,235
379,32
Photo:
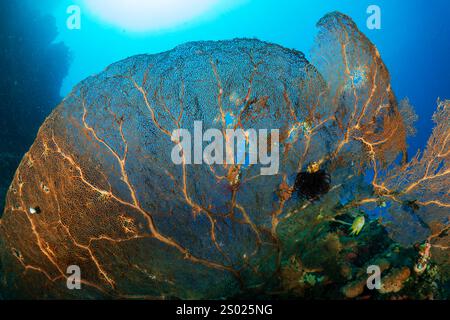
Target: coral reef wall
33,66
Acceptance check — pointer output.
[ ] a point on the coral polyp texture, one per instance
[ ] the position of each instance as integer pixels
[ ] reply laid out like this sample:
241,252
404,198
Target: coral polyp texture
98,189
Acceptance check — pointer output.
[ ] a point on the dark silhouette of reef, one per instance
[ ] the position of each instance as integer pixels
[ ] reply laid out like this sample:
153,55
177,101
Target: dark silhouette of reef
32,69
98,188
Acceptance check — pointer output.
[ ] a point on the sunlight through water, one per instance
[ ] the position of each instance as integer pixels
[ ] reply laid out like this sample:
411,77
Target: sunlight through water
153,15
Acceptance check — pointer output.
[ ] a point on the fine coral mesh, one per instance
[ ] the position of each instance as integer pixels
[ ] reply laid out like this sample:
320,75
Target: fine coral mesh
112,202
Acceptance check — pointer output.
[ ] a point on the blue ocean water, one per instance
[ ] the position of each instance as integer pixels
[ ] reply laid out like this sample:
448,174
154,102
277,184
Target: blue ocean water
414,40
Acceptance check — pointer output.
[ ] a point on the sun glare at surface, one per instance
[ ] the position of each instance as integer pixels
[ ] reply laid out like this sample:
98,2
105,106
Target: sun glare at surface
152,15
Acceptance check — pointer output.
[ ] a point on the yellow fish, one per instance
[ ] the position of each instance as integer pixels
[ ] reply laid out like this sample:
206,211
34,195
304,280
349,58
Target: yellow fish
357,225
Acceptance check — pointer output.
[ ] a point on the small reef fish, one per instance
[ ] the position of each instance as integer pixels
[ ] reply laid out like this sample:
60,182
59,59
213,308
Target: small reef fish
35,210
357,225
425,255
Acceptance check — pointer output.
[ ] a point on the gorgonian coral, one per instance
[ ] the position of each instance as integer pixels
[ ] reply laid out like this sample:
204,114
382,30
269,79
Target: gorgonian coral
111,199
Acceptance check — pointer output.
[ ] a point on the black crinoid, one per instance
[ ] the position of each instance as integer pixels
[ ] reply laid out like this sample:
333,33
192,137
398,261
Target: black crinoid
311,185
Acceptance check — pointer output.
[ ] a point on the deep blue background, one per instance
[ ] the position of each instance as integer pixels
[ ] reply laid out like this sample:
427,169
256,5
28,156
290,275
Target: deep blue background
414,40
